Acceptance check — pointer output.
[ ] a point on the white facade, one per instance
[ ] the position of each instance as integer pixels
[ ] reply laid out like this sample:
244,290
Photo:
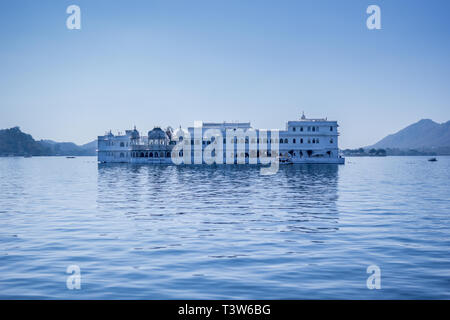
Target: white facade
303,141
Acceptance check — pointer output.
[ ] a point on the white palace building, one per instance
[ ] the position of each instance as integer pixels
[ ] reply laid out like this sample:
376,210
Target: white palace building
303,141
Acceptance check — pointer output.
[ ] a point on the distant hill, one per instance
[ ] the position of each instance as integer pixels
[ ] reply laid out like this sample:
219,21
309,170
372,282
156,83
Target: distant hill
424,135
14,142
70,148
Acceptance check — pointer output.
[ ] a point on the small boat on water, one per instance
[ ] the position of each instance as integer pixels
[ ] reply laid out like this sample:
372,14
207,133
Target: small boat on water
432,159
70,157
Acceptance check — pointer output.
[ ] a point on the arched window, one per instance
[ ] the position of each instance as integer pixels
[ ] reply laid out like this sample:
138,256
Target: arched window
331,140
281,140
301,140
314,128
142,155
293,140
293,129
314,140
285,140
151,154
168,154
122,144
156,154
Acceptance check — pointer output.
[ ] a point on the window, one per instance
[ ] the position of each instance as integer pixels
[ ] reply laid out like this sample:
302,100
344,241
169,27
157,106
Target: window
293,129
313,128
301,140
286,141
317,140
317,128
314,140
293,140
122,144
301,128
309,128
331,128
331,140
281,140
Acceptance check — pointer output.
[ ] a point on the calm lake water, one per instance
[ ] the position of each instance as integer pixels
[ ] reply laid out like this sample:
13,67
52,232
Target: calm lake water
166,232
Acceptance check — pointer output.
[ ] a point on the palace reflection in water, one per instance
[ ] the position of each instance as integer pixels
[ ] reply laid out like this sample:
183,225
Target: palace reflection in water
299,198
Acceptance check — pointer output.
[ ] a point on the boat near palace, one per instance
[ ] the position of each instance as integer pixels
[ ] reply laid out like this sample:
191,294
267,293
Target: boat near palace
303,141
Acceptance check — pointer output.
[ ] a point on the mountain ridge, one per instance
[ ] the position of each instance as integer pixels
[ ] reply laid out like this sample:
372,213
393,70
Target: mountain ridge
14,142
423,134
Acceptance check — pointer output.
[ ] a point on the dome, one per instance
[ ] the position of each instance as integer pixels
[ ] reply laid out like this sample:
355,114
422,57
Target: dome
135,134
157,133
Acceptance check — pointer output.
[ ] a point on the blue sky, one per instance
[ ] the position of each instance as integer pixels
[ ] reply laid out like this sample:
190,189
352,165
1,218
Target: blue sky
168,62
